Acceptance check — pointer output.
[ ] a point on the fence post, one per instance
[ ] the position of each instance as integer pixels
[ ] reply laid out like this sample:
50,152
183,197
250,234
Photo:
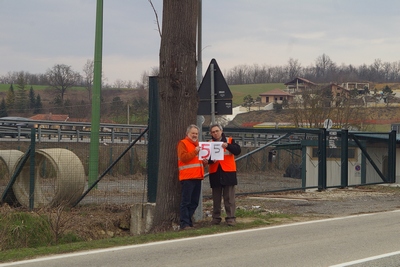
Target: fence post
322,159
344,167
32,170
392,157
153,140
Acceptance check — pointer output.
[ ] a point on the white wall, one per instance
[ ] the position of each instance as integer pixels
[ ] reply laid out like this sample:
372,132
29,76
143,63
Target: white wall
333,169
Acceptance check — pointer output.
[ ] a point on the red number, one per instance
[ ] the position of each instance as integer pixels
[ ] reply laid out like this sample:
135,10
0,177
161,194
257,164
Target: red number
206,147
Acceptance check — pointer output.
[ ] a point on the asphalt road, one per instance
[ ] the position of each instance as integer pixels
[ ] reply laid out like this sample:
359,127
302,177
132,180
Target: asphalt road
361,240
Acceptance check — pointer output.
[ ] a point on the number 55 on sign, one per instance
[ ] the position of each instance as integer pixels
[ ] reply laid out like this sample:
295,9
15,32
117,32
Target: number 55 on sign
211,150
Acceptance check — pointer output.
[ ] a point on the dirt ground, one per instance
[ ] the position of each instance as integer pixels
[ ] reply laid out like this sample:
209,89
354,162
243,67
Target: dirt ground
104,222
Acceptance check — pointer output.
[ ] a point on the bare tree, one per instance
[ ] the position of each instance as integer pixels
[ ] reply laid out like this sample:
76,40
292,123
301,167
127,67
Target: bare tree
293,69
119,84
88,71
178,101
61,77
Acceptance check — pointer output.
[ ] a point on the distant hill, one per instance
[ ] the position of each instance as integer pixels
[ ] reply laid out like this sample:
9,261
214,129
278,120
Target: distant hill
375,116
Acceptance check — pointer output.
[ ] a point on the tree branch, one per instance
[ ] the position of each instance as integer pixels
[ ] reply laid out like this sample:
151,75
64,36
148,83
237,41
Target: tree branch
155,13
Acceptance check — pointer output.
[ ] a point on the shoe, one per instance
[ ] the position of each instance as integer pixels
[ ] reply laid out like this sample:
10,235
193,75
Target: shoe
231,223
187,228
215,222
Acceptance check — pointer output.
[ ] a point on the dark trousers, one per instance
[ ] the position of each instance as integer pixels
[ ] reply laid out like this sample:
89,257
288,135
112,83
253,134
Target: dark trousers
190,200
226,192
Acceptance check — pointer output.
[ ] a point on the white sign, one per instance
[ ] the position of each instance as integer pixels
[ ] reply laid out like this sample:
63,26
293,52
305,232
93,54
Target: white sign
328,124
211,150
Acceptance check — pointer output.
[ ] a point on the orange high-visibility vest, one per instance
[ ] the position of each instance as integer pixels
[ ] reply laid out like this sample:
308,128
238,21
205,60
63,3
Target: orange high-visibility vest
228,164
192,169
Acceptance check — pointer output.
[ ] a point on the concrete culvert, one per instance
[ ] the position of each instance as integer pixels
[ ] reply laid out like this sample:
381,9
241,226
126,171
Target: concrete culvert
59,179
8,160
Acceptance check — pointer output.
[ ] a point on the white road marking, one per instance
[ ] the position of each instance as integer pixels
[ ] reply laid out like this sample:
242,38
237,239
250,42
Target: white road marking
366,259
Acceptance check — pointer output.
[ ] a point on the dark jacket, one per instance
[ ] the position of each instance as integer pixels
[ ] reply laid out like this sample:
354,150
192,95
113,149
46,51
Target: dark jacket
221,177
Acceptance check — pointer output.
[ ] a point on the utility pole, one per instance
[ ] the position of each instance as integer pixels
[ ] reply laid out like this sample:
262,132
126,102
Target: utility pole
95,126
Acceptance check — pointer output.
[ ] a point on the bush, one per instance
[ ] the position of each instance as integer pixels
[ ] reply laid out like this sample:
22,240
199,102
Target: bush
21,229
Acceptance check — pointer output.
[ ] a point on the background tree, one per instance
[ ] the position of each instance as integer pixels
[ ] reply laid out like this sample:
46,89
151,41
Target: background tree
293,69
310,110
3,108
38,105
32,98
118,110
248,101
178,101
21,99
119,84
88,72
387,95
61,77
139,110
10,98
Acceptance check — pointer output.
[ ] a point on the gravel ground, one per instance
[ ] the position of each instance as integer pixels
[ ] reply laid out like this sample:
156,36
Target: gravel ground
328,203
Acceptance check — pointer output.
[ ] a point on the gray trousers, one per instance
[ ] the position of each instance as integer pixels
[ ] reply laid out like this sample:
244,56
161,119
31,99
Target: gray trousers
226,192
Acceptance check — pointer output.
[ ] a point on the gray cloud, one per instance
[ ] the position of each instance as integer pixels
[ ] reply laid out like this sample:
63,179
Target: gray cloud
35,35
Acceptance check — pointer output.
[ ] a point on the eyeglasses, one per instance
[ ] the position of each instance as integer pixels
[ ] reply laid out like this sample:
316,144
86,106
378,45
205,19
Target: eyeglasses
216,131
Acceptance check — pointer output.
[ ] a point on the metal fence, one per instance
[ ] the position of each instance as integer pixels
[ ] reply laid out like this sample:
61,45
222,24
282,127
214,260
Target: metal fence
271,160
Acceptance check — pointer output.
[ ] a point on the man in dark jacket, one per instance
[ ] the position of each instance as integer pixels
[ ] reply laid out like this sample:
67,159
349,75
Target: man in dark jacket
223,177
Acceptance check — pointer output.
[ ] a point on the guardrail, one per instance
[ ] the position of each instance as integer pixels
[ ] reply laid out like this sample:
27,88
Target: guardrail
51,131
69,131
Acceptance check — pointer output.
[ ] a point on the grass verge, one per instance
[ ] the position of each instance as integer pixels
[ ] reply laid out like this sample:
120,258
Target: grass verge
245,220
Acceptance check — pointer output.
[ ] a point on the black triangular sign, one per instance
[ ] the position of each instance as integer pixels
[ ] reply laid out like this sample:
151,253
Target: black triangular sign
221,88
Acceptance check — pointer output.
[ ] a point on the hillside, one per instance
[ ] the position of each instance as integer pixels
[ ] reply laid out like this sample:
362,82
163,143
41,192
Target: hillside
79,103
376,115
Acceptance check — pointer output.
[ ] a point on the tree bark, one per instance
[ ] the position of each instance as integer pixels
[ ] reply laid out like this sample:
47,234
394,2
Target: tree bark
178,101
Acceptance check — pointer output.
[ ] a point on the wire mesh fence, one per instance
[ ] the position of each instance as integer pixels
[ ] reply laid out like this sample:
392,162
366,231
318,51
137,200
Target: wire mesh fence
61,169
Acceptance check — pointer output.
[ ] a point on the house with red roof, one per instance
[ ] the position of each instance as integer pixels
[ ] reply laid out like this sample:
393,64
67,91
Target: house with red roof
276,96
298,85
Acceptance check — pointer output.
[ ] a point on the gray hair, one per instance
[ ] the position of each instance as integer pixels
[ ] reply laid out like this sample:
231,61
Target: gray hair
216,125
190,127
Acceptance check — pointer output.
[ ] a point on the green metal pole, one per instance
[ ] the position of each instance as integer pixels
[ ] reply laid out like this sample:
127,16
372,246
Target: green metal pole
322,159
153,152
344,167
94,136
392,157
32,170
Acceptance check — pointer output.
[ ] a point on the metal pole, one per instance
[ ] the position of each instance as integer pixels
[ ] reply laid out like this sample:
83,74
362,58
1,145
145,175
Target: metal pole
212,93
199,48
198,215
392,157
95,126
344,167
153,151
127,115
322,159
32,170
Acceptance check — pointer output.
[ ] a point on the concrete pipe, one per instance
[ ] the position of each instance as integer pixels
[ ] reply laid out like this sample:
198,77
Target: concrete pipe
9,158
59,179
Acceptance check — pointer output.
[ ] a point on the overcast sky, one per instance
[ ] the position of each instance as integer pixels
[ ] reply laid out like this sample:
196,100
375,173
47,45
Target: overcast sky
37,34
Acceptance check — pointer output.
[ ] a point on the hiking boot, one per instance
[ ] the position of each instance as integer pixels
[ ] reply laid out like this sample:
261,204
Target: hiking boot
231,222
216,221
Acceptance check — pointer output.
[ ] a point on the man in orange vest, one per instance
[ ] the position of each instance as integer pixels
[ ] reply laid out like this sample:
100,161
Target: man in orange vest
223,177
191,173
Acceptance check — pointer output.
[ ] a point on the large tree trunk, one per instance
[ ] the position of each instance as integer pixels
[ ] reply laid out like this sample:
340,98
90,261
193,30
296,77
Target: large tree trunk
178,101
